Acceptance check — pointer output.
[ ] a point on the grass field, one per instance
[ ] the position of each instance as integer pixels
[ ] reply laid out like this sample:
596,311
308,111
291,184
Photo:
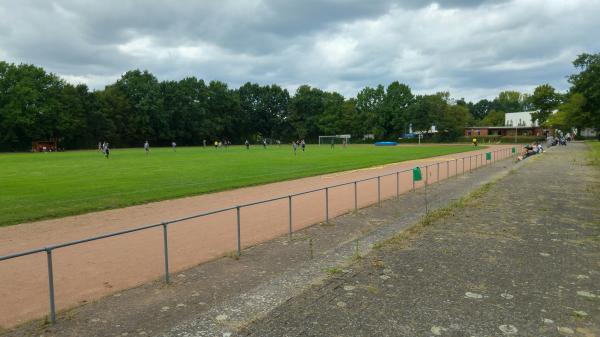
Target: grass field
47,185
594,146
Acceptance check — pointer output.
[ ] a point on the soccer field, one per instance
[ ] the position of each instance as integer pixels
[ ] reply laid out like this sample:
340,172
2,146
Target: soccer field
48,185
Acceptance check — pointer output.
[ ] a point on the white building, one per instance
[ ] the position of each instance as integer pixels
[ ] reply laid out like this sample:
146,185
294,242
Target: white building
589,133
519,119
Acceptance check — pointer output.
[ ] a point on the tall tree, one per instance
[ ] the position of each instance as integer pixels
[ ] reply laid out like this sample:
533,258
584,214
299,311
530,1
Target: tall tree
398,98
142,91
587,83
426,111
30,107
494,118
224,108
451,122
510,101
481,109
185,103
545,99
123,129
370,106
263,110
304,111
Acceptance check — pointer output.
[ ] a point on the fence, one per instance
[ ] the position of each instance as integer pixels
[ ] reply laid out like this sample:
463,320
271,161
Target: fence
479,159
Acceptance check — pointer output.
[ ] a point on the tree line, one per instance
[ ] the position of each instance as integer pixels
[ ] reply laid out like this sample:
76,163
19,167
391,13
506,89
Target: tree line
38,105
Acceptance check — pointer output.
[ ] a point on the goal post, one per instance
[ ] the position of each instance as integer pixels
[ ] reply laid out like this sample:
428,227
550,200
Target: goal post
339,139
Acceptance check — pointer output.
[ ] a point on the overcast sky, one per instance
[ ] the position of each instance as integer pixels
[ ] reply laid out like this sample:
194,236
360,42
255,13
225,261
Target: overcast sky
474,49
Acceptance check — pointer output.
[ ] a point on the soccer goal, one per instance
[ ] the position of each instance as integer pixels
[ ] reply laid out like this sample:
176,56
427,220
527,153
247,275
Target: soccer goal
336,139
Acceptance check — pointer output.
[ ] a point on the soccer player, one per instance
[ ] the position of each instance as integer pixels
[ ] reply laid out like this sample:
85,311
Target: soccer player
303,145
147,147
247,144
106,150
173,144
295,146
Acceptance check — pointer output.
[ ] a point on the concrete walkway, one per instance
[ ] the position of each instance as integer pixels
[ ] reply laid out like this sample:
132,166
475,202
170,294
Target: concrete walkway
522,259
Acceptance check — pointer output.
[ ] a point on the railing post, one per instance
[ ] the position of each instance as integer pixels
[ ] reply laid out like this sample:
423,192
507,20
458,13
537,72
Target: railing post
397,184
378,190
166,251
326,204
447,169
455,166
426,175
290,216
239,231
437,172
355,197
463,166
51,286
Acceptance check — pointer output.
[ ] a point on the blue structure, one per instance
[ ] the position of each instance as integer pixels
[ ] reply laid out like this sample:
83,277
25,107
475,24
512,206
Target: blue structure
386,144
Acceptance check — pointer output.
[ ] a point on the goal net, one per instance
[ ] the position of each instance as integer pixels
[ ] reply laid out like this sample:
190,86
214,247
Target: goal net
336,139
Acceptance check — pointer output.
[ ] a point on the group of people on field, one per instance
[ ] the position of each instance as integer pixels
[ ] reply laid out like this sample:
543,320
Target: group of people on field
104,147
298,143
218,144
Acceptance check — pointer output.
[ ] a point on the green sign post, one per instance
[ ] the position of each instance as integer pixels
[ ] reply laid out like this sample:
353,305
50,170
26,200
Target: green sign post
417,174
514,150
488,156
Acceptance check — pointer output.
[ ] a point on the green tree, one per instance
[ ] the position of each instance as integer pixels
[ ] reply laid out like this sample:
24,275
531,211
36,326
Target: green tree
398,97
451,122
148,118
510,101
263,110
304,112
370,107
544,99
426,111
494,118
30,106
570,114
224,109
587,83
185,103
123,129
331,120
481,109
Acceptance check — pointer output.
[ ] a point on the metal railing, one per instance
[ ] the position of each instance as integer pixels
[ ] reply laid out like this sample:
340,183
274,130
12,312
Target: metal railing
478,158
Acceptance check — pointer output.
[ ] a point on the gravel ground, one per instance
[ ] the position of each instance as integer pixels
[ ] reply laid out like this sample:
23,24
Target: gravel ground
521,259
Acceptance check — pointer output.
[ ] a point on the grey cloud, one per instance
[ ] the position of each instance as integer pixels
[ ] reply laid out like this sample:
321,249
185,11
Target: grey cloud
467,46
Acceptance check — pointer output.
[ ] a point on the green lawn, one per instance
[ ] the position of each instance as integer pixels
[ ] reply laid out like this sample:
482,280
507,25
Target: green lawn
48,185
594,146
